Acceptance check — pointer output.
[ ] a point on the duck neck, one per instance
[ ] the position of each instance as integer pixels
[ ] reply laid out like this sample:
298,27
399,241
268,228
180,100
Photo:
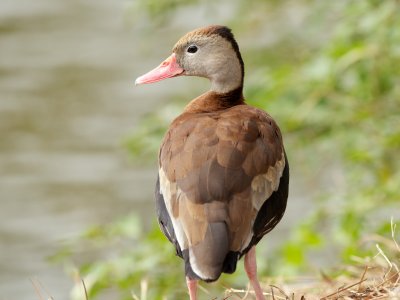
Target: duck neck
228,75
227,79
212,101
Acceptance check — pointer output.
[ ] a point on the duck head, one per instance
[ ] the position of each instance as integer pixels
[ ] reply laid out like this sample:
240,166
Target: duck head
209,52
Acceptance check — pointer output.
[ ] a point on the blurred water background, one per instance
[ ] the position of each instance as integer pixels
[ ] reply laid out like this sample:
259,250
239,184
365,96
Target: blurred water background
67,98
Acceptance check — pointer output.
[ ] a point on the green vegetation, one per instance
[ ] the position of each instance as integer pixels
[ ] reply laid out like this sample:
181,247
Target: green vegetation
333,85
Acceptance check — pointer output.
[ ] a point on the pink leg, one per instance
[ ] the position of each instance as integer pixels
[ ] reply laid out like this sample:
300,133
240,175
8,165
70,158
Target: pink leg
192,287
250,266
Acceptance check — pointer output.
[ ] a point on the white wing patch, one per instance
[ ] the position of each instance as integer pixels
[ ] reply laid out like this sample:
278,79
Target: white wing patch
170,192
262,187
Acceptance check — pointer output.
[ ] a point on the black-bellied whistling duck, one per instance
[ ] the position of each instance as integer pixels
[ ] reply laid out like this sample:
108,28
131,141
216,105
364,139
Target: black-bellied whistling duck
223,174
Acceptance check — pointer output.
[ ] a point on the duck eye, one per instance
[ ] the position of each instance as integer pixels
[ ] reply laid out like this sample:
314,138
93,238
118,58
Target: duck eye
192,49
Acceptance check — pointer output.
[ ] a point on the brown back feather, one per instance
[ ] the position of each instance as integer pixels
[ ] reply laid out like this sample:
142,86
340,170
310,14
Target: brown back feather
213,158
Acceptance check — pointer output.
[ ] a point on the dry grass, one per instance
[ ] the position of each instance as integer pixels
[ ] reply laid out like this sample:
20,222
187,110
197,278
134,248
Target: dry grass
376,278
374,282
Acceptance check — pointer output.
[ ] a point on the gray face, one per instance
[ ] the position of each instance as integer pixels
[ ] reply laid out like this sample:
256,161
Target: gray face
192,56
212,57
